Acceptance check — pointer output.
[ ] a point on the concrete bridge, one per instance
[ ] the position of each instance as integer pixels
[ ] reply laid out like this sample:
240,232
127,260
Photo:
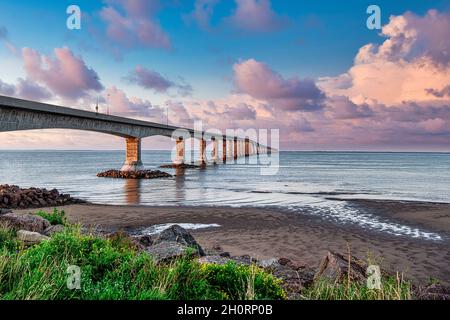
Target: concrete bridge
17,114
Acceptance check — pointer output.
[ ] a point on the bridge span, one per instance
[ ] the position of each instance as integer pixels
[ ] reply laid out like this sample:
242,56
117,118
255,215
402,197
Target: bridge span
18,114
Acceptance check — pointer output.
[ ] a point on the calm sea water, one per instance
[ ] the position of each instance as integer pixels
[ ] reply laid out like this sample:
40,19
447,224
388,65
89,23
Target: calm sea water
304,183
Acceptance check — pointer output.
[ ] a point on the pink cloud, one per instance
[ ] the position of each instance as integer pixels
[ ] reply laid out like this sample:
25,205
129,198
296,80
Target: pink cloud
261,82
120,104
255,16
64,74
133,23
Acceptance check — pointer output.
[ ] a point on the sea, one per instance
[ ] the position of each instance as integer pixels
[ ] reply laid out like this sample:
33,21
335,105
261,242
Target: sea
320,184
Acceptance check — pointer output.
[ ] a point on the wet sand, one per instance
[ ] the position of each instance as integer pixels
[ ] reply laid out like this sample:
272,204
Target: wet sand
267,233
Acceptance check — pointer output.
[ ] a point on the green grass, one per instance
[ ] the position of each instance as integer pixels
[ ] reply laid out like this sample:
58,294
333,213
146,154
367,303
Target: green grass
56,217
112,269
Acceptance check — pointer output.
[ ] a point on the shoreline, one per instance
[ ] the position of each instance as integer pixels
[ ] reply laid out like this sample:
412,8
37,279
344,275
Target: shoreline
266,233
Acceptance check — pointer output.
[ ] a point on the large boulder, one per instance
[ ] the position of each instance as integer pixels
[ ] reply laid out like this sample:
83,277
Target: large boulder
30,238
168,250
337,267
26,222
179,235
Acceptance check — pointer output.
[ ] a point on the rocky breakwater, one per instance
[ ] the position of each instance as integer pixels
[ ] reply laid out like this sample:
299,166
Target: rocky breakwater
142,174
14,197
181,166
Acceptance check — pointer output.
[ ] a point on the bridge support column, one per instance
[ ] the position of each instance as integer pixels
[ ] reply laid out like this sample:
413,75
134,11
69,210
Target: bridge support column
224,150
247,148
215,151
235,145
133,160
202,149
179,159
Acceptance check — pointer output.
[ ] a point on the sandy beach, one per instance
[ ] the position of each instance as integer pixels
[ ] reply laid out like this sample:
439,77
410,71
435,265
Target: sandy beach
267,233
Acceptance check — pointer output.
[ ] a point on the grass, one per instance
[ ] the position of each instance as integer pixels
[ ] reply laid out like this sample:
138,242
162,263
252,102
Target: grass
56,217
113,269
392,288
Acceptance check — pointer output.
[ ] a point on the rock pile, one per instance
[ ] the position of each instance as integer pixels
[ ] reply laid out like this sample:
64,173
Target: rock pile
14,197
180,166
142,174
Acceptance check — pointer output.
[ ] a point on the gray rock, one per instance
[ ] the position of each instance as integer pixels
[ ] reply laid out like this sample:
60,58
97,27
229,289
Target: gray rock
269,263
5,211
214,260
30,238
54,229
177,234
167,251
26,222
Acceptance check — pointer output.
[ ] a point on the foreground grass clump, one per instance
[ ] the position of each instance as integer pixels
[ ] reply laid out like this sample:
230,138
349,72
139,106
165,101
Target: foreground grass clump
392,288
112,269
56,217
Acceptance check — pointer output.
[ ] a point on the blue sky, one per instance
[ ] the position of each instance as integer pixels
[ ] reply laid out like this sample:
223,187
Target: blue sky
321,38
297,41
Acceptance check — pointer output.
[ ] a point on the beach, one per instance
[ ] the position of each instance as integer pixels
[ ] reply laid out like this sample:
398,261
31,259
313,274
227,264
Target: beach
266,233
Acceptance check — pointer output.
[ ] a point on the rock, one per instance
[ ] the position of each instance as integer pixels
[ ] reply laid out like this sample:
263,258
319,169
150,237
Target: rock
26,222
225,255
142,174
13,197
167,251
336,267
214,260
145,240
245,259
177,234
268,263
30,238
5,211
434,292
54,229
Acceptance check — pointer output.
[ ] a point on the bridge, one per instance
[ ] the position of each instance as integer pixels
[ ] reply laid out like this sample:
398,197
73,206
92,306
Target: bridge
18,114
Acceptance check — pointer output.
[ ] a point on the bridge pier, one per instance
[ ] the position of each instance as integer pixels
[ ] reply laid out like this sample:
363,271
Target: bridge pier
215,151
235,145
224,150
180,147
133,160
202,158
247,148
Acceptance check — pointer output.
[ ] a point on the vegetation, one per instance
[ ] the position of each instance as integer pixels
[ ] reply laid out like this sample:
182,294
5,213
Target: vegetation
113,269
56,217
392,288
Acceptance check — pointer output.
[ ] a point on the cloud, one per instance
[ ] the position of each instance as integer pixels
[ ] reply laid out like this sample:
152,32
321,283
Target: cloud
7,89
133,24
153,80
414,58
25,89
255,16
120,104
202,13
64,74
259,81
445,92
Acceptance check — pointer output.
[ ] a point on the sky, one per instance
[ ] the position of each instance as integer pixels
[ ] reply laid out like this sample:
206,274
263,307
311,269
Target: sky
312,69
